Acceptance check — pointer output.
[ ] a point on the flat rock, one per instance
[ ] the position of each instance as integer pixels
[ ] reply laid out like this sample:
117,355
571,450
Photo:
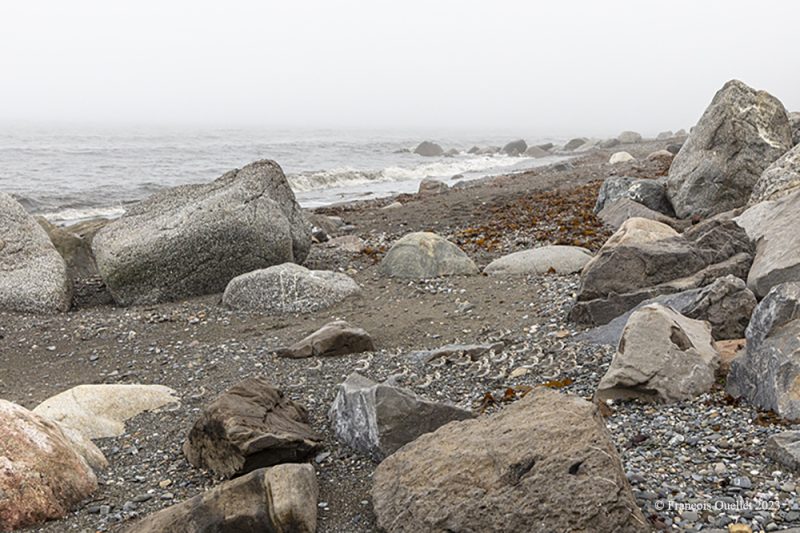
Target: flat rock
334,338
615,214
726,304
100,411
740,134
377,419
768,374
288,288
42,475
773,227
544,463
780,179
662,356
192,240
280,499
425,255
544,260
251,425
34,276
647,192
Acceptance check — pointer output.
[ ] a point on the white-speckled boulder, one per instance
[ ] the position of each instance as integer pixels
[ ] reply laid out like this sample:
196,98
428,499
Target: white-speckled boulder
42,475
780,179
33,275
194,239
740,134
288,288
424,255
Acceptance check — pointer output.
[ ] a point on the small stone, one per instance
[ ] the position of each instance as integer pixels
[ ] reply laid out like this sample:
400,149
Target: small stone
165,483
518,372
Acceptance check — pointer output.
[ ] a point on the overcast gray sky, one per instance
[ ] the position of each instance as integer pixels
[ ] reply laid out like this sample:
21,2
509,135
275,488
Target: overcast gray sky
577,67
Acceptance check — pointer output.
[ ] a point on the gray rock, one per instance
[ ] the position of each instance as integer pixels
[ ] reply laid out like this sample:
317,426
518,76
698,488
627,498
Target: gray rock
489,150
426,255
681,133
536,152
674,148
288,288
609,143
768,373
34,276
645,259
629,137
664,135
517,147
194,239
74,249
615,213
378,419
575,143
662,356
428,149
546,146
334,338
452,152
536,465
773,227
430,187
251,425
474,150
727,305
780,179
544,260
281,498
740,134
648,192
784,448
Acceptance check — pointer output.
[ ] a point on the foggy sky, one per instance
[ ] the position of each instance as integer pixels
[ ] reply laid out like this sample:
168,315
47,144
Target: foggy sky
557,68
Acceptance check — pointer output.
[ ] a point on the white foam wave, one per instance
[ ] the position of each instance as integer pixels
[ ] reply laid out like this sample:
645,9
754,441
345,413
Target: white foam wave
445,168
74,215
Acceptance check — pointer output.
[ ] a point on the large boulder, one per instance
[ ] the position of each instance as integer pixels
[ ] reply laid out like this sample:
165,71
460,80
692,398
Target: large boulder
250,426
773,227
514,148
335,338
544,463
629,137
726,304
33,276
378,419
42,475
428,149
784,448
288,288
100,411
544,260
280,499
645,259
768,374
620,157
662,356
647,192
780,179
425,255
194,239
740,134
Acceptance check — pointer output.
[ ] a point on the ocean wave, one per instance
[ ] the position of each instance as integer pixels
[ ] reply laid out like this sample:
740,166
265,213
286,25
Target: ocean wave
78,214
445,168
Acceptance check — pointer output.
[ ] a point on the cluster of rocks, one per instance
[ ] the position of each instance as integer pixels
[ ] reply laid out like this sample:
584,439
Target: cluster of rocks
514,148
584,144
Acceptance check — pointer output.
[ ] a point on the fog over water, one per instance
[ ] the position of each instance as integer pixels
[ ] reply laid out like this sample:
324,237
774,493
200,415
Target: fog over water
555,68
